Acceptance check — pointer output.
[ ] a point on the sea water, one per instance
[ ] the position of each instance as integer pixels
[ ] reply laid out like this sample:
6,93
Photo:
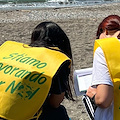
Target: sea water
37,4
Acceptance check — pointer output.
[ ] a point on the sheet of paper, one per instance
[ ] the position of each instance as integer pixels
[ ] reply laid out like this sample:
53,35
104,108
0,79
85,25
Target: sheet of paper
82,80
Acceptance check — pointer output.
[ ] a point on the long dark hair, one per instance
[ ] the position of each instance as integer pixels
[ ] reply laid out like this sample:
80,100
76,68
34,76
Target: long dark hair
49,34
112,22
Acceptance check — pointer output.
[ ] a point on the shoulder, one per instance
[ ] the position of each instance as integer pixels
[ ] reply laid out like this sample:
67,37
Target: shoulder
64,68
99,51
99,56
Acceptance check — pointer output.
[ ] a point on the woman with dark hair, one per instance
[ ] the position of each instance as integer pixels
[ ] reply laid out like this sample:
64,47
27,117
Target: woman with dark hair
106,66
40,75
51,36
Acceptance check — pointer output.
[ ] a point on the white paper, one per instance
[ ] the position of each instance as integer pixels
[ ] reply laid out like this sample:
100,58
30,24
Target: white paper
82,80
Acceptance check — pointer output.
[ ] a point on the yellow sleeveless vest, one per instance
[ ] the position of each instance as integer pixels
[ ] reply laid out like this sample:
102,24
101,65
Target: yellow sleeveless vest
111,49
25,78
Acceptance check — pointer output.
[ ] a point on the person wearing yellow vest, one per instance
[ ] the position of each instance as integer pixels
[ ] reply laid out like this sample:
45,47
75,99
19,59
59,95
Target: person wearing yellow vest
105,77
35,78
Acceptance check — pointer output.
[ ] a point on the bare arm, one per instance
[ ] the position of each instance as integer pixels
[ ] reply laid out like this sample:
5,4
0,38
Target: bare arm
104,95
55,100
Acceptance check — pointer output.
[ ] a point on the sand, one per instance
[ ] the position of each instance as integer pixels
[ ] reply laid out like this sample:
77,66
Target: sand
80,25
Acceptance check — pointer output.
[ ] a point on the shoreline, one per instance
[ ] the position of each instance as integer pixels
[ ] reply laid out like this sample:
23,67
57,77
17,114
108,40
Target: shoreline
54,5
80,25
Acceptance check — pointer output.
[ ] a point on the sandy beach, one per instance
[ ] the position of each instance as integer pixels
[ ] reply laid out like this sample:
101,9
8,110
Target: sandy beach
80,25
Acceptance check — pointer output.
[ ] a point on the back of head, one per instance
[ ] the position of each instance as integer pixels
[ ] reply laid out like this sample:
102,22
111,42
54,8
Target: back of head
49,34
110,23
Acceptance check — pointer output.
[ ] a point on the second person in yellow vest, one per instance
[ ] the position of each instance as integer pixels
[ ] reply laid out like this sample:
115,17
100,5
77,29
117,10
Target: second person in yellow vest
102,89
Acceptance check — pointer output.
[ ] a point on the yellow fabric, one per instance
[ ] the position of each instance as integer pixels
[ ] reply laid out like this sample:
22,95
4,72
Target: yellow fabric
111,49
25,78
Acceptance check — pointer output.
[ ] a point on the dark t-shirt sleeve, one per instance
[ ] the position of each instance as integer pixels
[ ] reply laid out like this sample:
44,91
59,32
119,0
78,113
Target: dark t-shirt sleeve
59,81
